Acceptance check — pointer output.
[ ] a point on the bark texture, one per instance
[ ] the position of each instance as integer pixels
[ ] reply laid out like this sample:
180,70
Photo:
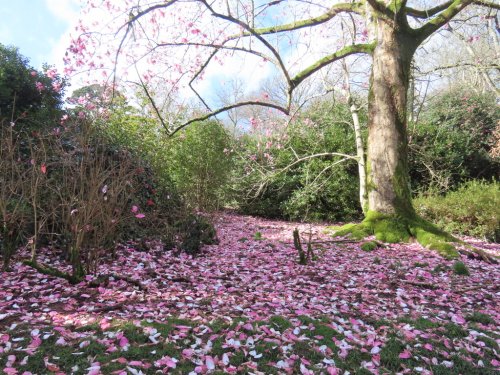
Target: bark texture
388,180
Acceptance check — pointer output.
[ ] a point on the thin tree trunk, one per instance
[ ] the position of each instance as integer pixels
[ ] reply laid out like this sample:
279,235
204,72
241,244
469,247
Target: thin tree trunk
360,147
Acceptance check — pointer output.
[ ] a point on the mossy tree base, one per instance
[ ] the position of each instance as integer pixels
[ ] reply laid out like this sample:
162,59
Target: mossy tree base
397,229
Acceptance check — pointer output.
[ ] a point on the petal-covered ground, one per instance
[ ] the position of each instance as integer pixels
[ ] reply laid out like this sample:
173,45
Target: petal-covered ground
247,306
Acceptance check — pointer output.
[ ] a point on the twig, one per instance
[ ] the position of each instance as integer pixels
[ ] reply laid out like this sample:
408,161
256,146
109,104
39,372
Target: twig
422,285
117,306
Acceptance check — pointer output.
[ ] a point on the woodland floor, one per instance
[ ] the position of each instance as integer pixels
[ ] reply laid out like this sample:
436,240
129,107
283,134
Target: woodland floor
246,306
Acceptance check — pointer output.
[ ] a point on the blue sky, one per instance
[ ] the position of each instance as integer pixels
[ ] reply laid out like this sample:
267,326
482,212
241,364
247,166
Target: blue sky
38,28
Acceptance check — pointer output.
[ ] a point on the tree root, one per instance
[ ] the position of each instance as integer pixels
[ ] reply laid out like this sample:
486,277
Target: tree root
400,229
421,285
104,279
51,271
474,253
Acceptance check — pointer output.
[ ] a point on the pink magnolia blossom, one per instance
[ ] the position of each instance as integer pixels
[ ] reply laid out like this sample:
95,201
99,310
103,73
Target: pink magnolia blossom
39,86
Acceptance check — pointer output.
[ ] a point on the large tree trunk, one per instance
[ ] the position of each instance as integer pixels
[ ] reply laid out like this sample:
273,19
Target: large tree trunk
388,179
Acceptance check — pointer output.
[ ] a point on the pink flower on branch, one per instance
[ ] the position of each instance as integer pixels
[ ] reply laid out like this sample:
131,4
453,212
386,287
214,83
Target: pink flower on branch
39,86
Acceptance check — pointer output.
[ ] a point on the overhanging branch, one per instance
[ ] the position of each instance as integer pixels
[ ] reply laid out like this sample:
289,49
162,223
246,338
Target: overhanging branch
488,4
250,30
427,13
381,8
285,110
336,9
441,19
344,52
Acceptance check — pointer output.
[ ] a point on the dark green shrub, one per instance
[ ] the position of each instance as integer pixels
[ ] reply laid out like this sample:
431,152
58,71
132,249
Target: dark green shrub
451,143
196,231
28,97
474,209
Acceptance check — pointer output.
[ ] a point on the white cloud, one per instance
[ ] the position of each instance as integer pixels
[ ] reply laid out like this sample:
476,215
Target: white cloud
66,10
69,12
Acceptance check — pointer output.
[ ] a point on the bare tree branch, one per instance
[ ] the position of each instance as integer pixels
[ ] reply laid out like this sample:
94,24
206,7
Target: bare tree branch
427,13
489,4
381,8
354,7
442,19
133,18
249,29
285,110
340,54
151,100
217,46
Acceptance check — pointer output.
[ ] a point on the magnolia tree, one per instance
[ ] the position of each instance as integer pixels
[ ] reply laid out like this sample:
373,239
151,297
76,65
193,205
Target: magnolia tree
167,48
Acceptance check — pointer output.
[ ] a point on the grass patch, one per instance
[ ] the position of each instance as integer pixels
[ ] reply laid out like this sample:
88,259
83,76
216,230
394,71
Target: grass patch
454,331
420,323
440,268
257,236
279,323
315,343
478,317
459,268
369,246
389,355
420,265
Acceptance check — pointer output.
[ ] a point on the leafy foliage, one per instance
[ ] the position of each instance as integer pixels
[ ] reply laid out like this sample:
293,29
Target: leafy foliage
200,164
474,209
28,96
452,142
317,188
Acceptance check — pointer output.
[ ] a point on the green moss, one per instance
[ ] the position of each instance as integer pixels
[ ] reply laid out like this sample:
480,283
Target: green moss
447,250
51,271
401,181
369,246
430,236
387,228
454,331
397,229
355,231
459,268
